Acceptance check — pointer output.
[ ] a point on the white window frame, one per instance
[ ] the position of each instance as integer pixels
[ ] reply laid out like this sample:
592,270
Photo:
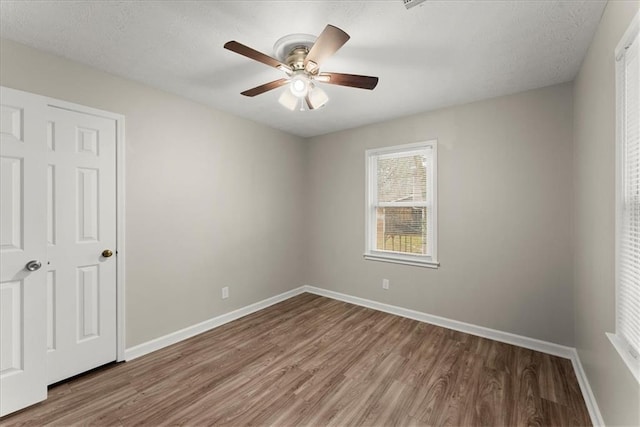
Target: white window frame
370,252
619,342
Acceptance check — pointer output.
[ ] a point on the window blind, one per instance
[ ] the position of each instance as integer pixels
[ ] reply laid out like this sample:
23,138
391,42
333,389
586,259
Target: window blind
402,202
628,299
402,177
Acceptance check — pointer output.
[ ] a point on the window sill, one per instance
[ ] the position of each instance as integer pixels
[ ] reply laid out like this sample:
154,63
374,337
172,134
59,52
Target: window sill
402,260
632,363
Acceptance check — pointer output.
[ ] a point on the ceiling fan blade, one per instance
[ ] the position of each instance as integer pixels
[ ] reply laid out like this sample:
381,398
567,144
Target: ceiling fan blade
243,50
265,87
328,42
352,80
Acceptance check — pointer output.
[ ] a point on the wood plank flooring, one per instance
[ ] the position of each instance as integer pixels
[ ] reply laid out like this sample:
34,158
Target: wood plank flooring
315,361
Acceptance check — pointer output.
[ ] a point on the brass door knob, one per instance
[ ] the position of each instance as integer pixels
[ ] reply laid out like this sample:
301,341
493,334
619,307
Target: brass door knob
107,253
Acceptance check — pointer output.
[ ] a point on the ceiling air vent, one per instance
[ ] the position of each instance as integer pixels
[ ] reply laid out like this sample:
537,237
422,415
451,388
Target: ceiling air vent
411,3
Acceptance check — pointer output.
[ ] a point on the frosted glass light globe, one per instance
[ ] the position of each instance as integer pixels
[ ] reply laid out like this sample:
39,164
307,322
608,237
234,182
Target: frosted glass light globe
299,86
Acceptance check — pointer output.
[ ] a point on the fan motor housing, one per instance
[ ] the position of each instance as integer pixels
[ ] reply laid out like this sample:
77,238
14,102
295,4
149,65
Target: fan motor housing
296,57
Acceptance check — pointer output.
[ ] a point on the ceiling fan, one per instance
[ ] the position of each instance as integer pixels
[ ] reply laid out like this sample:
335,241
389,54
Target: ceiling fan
301,56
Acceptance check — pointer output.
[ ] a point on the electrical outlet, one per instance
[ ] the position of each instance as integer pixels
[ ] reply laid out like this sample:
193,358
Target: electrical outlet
385,283
225,292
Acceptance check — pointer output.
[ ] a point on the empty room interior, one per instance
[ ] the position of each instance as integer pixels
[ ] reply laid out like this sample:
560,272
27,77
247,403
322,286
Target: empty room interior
399,212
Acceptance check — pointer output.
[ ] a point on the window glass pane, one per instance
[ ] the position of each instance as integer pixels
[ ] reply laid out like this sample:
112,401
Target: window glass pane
402,229
402,178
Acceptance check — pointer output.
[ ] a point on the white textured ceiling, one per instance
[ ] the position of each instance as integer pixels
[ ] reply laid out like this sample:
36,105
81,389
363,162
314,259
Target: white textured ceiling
437,54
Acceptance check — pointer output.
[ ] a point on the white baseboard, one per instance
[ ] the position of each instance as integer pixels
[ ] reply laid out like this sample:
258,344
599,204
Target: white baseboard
190,331
505,337
587,393
481,331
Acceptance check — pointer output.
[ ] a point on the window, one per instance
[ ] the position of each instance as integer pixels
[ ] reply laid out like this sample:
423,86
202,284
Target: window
401,204
627,336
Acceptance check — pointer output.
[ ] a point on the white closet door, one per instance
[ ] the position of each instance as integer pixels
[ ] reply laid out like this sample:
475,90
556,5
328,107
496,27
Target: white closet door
81,281
57,245
23,219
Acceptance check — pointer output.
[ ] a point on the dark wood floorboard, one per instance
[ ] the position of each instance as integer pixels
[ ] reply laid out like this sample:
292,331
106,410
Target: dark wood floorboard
315,361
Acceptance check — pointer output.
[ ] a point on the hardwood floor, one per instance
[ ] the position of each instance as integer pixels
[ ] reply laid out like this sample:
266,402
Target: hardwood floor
315,361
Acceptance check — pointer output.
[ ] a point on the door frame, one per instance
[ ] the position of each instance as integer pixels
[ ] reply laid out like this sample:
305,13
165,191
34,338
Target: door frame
120,210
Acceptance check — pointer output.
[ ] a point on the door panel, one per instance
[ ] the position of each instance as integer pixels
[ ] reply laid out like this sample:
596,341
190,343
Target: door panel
51,310
51,208
87,204
82,223
11,345
23,220
12,170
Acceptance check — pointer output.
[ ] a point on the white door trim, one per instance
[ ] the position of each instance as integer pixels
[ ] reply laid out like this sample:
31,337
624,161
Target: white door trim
120,212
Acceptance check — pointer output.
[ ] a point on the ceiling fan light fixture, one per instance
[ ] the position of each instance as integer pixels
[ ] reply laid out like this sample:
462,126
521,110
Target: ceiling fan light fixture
288,100
299,85
318,98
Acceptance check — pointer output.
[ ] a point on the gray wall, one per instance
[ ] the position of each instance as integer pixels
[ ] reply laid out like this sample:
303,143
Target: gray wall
505,220
212,200
615,389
